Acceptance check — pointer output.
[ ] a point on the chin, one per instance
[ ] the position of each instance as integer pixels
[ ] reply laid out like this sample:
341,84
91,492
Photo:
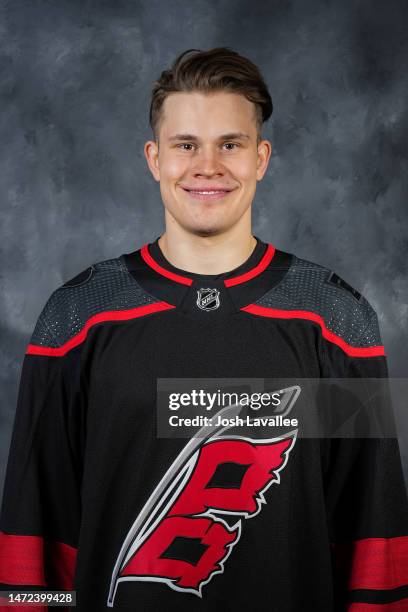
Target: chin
202,223
208,232
205,230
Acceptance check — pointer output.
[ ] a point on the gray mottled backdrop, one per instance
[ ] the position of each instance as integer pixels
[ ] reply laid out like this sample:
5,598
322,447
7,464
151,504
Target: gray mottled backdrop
75,189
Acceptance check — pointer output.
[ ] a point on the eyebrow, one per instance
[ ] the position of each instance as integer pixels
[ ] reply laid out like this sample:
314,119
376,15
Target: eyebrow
229,136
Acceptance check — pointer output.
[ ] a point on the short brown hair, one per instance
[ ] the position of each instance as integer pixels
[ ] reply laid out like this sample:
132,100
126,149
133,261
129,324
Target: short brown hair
217,69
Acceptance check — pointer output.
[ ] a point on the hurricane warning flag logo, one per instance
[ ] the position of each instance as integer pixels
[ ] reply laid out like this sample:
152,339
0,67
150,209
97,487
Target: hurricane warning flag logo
187,528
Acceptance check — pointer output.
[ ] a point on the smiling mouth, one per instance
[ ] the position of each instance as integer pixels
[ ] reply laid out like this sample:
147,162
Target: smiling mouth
207,195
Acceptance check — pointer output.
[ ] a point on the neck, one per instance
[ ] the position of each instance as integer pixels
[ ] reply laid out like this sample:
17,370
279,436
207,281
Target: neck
206,254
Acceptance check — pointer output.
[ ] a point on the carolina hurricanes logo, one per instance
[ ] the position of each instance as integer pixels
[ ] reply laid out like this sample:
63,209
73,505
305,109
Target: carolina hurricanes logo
179,537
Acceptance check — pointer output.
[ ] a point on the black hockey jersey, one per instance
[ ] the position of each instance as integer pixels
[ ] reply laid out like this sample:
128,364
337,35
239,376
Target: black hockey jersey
96,501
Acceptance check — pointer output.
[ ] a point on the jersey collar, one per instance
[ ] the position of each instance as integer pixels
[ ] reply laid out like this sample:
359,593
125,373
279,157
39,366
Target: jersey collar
240,286
256,263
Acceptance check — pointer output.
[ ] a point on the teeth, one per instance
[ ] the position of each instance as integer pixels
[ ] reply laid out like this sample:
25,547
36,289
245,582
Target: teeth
207,192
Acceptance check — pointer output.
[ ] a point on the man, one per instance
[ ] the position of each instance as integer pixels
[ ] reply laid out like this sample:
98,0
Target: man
97,501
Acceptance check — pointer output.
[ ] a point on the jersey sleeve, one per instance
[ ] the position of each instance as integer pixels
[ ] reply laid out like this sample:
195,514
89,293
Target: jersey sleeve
41,505
365,492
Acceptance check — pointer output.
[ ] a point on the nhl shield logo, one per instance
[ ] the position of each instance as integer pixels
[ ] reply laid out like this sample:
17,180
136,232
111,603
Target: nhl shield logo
208,299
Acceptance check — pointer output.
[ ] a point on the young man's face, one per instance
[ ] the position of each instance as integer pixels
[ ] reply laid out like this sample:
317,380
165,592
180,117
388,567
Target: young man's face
207,142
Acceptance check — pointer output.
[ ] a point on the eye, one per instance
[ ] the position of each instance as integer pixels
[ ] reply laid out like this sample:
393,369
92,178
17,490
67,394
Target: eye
190,144
185,144
234,144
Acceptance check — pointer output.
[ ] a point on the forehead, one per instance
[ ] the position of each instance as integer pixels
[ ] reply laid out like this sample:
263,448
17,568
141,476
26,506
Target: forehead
211,113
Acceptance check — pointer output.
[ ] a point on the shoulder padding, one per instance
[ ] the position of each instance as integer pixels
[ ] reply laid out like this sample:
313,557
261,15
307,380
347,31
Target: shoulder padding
81,278
103,286
310,287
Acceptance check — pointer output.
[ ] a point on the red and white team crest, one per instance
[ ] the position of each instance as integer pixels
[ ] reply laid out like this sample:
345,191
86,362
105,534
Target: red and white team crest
180,537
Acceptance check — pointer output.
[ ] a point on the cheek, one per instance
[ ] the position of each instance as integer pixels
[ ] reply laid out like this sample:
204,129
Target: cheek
243,169
173,167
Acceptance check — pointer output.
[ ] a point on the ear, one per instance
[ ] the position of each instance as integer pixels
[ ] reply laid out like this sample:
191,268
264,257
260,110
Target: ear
264,154
151,152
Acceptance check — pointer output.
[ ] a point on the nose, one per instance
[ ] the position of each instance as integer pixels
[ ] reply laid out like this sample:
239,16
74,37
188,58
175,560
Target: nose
207,163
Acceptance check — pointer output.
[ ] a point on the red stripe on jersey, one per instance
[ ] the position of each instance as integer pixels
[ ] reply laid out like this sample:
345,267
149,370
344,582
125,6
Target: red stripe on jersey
396,606
144,251
373,563
229,282
353,351
23,559
262,265
109,315
62,562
